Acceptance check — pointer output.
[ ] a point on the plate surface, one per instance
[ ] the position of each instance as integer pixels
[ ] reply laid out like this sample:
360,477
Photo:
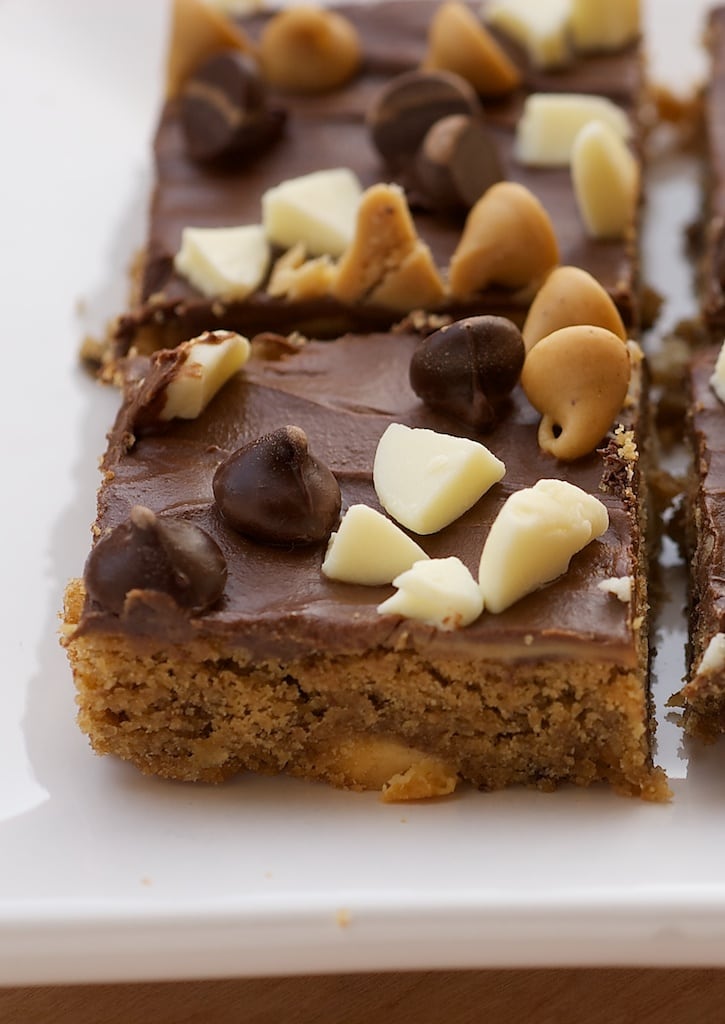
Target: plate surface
105,875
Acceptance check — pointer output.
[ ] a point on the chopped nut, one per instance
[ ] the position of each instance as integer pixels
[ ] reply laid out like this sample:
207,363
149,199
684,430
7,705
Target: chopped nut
541,27
297,278
425,480
308,49
426,778
605,175
369,549
577,378
550,123
459,42
570,296
198,31
533,539
227,263
206,363
600,26
508,240
387,263
317,209
440,592
713,660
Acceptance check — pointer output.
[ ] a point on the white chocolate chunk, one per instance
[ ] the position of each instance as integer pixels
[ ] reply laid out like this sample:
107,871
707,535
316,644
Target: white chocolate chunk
604,24
369,549
618,586
713,660
425,480
533,539
550,122
318,209
717,380
440,592
605,176
541,27
211,360
227,263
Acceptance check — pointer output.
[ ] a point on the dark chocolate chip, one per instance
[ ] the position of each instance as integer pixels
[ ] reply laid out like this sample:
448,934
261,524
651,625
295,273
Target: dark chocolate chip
409,104
158,554
276,492
457,161
224,109
468,369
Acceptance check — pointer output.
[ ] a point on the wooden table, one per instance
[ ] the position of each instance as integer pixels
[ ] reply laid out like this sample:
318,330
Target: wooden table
498,997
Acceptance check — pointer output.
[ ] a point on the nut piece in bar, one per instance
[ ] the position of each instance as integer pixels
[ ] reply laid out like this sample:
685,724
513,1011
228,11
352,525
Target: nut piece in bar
468,368
533,539
148,553
275,491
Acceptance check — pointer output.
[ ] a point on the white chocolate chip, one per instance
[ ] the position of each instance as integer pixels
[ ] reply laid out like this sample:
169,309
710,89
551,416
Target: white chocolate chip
605,175
318,209
211,360
618,586
227,263
440,592
713,660
551,121
534,537
539,26
425,480
717,380
599,25
369,549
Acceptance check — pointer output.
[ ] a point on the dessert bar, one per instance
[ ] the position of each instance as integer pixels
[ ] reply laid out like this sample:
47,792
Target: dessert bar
247,656
300,132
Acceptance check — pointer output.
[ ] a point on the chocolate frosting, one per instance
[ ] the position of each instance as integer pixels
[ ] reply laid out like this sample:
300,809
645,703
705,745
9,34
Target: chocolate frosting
713,268
326,130
276,602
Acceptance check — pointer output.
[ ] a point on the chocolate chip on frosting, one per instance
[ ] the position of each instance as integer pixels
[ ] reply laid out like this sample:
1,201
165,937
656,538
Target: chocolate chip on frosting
224,109
468,368
160,554
409,104
457,161
275,491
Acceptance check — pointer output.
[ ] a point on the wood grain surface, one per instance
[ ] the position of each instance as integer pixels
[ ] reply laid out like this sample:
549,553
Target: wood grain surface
498,997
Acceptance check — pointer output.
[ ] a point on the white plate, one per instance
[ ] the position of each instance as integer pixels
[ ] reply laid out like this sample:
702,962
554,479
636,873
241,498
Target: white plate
106,875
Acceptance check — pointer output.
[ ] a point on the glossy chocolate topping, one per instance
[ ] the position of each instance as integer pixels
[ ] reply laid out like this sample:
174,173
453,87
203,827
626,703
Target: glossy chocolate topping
713,271
276,601
469,368
329,130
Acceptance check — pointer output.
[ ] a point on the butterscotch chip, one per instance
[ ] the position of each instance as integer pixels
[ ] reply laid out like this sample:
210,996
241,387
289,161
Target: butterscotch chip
309,49
387,263
570,296
508,240
198,32
459,42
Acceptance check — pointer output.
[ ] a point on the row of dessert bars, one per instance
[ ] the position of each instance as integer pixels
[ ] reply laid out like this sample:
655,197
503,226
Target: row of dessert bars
374,508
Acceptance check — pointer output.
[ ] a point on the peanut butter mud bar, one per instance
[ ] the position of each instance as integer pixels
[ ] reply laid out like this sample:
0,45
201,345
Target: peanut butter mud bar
274,126
704,692
373,562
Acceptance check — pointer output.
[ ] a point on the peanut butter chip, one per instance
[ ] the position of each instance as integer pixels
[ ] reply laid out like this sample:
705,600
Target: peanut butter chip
308,49
577,378
459,42
508,240
570,296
